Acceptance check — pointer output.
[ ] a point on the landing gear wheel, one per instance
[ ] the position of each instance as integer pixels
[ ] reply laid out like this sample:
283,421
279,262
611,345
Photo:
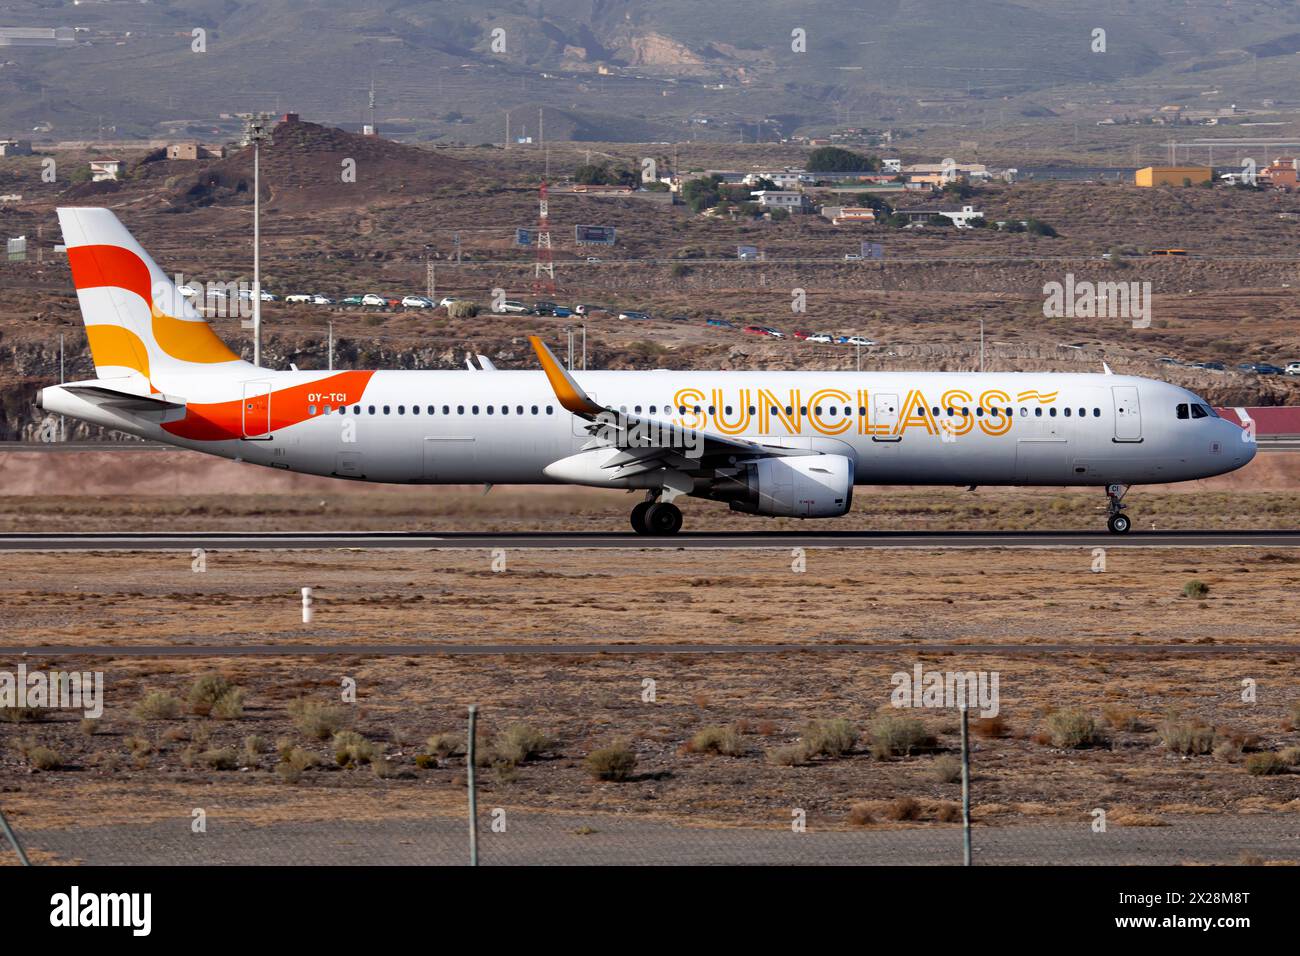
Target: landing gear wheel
638,517
1118,523
664,518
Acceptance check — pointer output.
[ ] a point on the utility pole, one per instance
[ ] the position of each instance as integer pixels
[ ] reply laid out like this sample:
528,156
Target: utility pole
545,265
256,129
965,787
981,345
331,346
507,142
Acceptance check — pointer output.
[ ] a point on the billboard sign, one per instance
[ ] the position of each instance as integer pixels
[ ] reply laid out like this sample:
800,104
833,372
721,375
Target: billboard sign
747,252
873,250
525,237
593,235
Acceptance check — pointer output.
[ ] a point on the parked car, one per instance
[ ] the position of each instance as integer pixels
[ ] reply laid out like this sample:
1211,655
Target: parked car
321,300
372,300
417,302
861,340
634,316
447,301
678,318
754,330
1247,367
1209,366
1264,368
544,308
852,257
353,301
561,312
513,306
774,333
821,338
391,302
1166,360
299,297
1293,368
799,334
720,323
592,259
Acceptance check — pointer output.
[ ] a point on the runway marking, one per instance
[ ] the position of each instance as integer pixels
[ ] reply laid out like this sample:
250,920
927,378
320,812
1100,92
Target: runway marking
583,540
455,650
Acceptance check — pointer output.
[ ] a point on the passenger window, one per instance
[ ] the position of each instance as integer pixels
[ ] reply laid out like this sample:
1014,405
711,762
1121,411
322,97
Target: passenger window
401,409
1067,412
372,409
460,409
328,409
550,409
1096,413
789,410
1038,413
1182,409
534,409
415,409
728,410
752,410
387,409
1052,412
311,409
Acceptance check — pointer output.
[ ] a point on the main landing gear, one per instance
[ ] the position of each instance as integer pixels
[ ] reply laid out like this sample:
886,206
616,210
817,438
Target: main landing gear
1118,522
656,517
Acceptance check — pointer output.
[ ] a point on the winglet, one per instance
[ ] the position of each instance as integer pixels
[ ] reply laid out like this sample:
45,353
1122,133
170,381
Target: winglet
569,392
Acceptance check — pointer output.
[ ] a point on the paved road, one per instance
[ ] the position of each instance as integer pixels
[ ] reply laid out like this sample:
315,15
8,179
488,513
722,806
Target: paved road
532,838
730,540
289,649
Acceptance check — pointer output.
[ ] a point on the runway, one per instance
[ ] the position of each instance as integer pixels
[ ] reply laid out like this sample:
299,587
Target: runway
700,540
45,651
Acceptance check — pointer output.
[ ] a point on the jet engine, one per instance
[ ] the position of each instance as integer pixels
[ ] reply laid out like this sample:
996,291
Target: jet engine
807,486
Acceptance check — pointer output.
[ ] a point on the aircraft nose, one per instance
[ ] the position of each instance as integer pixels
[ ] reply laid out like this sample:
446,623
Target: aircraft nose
1244,447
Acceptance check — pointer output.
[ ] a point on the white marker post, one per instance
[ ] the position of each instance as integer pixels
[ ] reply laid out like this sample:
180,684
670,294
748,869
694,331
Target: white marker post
307,611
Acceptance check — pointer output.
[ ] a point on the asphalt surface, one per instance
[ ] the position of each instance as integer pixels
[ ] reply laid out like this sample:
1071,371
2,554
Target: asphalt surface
730,540
532,838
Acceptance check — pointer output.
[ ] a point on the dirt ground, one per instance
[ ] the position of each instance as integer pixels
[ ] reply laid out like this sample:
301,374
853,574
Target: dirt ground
129,771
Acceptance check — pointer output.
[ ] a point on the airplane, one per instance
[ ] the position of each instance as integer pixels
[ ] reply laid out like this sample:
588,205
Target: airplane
771,443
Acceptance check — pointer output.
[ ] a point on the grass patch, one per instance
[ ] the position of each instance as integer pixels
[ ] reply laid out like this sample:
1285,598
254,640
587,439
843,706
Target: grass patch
157,705
316,719
1265,764
1186,736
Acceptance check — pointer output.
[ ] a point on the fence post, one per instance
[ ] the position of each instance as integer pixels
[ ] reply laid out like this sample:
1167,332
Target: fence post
13,840
965,786
470,757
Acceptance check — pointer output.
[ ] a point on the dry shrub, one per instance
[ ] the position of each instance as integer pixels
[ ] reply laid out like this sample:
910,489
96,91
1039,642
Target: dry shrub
1070,729
1186,736
715,739
442,745
1265,764
352,750
990,728
860,815
1120,716
895,735
519,743
224,758
791,755
832,737
316,719
615,762
903,808
946,769
157,705
947,812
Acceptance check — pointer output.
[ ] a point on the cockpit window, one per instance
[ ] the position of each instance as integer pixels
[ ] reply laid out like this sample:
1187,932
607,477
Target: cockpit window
1199,411
1182,410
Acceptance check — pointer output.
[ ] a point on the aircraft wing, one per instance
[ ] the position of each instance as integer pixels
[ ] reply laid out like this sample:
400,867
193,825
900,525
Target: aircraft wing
647,443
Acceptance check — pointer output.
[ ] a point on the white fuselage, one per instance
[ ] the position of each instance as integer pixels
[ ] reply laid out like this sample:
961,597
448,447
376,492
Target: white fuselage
497,427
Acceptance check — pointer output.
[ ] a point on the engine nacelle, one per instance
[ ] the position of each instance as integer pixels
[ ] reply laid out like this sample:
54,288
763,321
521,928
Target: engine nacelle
809,486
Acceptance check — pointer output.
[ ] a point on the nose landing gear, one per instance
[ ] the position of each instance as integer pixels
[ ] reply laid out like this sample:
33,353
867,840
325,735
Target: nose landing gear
1118,522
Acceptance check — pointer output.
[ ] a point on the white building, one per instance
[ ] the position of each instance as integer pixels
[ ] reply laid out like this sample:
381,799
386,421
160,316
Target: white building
780,199
101,169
